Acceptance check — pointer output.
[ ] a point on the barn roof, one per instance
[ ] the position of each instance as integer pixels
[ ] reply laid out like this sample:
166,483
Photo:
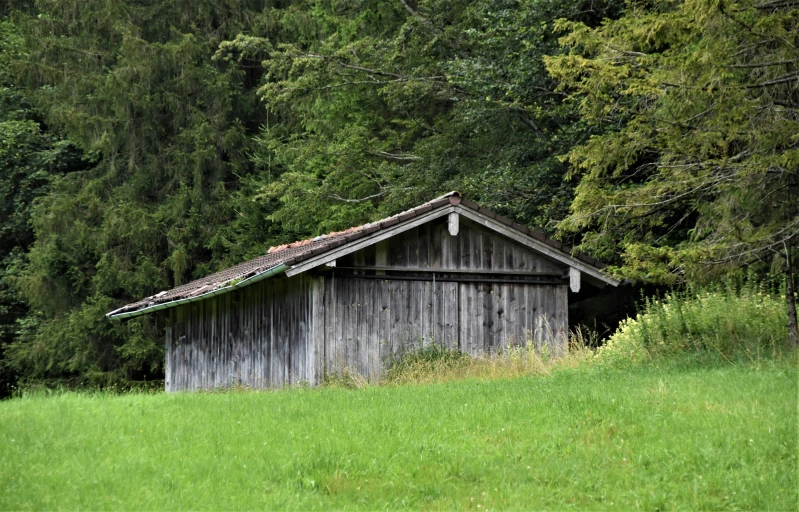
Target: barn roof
281,258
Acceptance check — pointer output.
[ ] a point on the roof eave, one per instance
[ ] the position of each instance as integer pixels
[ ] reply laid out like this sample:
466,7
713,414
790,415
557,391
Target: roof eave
115,315
513,232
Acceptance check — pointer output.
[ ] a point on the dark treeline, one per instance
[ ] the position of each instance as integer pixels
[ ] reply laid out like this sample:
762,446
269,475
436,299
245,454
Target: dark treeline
146,143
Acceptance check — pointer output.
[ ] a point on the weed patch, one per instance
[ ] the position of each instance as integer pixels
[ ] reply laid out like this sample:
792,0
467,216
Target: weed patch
721,323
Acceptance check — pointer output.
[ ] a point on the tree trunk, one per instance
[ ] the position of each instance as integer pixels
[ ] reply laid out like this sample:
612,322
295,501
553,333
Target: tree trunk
793,325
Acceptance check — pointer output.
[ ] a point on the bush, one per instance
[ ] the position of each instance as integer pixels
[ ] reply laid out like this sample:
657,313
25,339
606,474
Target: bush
730,323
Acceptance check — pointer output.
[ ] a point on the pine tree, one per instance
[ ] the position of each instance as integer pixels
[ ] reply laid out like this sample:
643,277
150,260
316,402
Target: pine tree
697,171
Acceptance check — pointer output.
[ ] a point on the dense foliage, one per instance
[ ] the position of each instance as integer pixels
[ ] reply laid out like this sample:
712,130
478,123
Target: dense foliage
696,173
165,139
703,154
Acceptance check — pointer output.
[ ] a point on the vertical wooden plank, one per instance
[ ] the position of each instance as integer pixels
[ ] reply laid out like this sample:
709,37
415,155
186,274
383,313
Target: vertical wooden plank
261,336
395,308
416,314
463,315
397,252
423,246
561,306
255,342
240,339
487,315
205,325
441,304
388,303
381,256
291,335
359,327
196,339
277,338
411,238
330,317
542,318
527,313
446,242
369,335
448,307
298,328
511,327
464,239
424,320
177,364
294,287
358,260
269,332
523,260
343,321
346,324
306,330
246,345
168,358
291,322
317,359
224,342
498,315
486,250
373,332
187,347
466,317
436,252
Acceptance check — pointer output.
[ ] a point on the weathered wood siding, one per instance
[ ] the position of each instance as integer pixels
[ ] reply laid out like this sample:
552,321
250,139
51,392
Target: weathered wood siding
369,321
286,331
258,336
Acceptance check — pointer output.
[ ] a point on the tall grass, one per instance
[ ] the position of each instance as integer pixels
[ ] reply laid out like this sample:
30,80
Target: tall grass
729,323
435,363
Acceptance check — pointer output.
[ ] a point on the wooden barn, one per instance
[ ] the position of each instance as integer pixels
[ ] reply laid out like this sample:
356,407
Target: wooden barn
448,271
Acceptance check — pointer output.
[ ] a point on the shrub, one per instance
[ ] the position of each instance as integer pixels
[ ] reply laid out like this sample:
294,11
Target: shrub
743,323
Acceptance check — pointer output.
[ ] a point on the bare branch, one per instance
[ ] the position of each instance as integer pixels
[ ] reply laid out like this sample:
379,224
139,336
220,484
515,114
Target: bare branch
396,156
626,52
764,65
781,80
424,21
777,4
361,200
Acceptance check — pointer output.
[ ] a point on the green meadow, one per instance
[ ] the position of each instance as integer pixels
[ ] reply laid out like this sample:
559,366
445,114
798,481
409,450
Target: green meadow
654,436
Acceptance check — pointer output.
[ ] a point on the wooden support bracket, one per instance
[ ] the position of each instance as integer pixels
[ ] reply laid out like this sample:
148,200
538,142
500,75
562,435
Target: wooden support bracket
453,223
574,279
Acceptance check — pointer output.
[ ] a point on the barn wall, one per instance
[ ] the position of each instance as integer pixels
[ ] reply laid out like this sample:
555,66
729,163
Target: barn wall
285,331
367,321
258,336
370,321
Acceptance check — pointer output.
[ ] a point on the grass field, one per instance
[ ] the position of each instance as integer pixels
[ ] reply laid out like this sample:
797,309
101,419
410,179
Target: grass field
668,437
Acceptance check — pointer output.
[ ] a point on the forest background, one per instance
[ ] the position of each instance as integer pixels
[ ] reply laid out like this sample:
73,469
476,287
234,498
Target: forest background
145,143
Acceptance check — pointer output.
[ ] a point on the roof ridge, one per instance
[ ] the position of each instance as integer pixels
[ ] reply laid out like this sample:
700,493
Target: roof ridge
353,229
